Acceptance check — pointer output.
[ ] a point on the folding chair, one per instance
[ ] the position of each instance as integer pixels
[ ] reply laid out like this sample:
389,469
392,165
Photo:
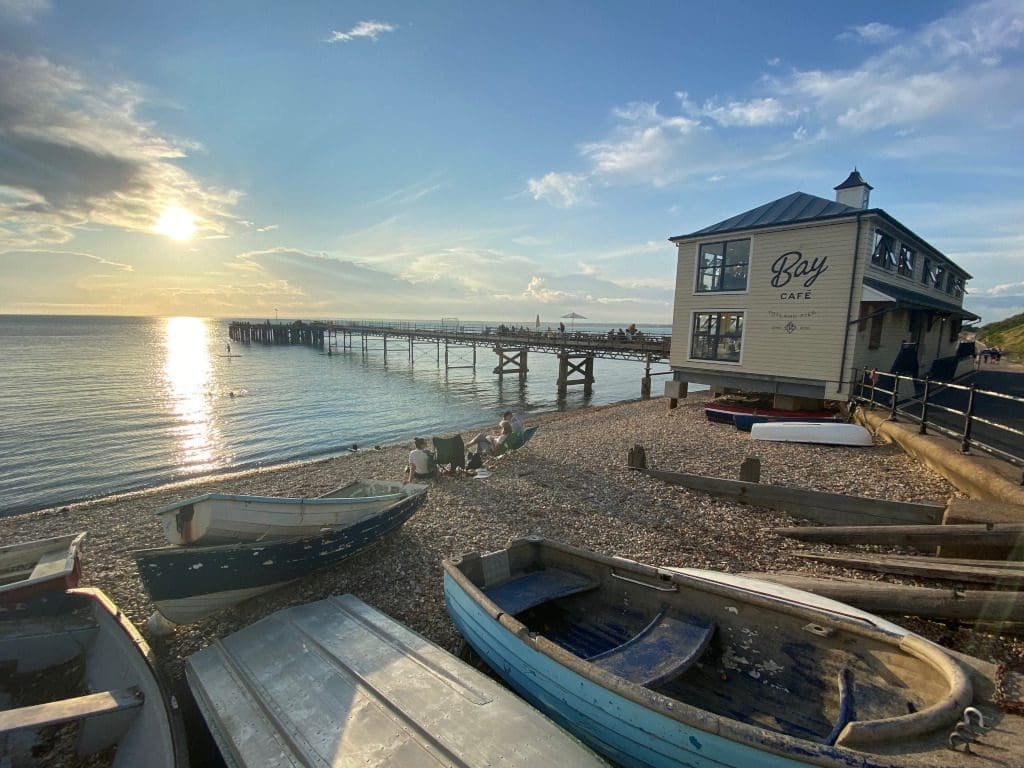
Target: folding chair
450,454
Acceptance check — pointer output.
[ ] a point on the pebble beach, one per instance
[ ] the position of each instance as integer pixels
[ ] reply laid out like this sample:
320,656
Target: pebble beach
570,483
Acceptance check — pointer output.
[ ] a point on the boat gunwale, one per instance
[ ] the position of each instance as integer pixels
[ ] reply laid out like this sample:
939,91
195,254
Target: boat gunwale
260,545
286,500
757,737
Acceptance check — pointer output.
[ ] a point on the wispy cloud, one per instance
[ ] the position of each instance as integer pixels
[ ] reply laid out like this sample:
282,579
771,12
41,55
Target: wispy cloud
77,153
371,30
22,11
873,32
411,193
562,190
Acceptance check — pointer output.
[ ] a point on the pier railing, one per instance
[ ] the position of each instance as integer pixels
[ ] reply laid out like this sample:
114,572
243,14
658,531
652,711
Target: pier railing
638,346
979,419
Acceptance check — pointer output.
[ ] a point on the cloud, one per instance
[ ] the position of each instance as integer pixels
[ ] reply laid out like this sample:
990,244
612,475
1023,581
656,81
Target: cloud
873,32
364,29
562,190
75,153
22,11
937,90
411,193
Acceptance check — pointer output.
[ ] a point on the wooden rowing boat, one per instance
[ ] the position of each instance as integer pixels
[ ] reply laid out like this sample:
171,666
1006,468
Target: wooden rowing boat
337,683
221,518
78,682
45,565
658,668
190,583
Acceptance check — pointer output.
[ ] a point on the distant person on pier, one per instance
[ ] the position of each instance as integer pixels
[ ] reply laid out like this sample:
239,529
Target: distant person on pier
421,463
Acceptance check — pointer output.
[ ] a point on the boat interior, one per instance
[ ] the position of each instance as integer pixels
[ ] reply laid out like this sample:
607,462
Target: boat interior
740,656
70,687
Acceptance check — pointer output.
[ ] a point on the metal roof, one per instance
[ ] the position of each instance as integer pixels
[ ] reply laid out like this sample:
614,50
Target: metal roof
791,209
854,180
905,297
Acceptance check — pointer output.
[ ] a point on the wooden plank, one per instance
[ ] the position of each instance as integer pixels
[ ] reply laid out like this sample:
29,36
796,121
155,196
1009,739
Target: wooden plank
821,507
885,598
923,567
919,536
65,710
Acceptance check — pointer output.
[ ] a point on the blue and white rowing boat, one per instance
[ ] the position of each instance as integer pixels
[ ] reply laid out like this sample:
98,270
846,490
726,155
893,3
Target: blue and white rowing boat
189,583
653,667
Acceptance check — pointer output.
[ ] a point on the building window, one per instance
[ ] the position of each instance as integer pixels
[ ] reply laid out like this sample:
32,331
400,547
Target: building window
906,266
951,283
723,266
958,288
717,336
884,253
928,272
940,273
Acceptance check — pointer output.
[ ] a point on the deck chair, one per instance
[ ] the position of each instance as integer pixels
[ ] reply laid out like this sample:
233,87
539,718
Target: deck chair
450,454
513,442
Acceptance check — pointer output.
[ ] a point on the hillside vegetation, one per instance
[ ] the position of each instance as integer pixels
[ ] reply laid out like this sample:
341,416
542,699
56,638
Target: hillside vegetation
1006,334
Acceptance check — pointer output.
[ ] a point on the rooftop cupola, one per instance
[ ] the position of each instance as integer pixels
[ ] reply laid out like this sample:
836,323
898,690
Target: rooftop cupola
854,191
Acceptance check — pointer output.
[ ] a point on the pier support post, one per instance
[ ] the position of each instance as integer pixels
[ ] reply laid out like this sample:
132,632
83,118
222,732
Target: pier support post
510,361
570,364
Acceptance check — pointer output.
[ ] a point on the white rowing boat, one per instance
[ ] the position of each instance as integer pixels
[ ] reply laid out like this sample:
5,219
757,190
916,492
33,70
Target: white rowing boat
825,433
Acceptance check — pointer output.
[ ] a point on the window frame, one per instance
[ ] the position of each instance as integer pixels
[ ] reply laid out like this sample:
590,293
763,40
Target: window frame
905,266
713,340
718,272
884,259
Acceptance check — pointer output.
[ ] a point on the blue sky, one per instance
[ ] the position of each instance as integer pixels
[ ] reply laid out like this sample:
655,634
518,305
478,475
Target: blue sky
480,160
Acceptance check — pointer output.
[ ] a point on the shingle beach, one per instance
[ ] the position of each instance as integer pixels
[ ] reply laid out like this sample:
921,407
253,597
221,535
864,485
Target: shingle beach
570,483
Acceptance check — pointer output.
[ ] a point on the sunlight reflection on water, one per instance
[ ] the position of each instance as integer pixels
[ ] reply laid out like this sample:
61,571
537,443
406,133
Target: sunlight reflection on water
187,374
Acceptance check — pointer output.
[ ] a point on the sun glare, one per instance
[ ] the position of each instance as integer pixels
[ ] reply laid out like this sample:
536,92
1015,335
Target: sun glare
176,222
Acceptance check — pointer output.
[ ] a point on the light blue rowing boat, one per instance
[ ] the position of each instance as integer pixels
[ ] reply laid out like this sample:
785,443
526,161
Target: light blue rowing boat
654,667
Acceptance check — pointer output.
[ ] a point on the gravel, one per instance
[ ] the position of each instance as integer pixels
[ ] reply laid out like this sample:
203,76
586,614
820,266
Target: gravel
570,483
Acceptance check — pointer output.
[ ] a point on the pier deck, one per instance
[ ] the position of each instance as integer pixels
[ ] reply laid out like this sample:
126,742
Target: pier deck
576,349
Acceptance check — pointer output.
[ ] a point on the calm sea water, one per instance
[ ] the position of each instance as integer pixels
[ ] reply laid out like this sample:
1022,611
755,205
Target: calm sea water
98,405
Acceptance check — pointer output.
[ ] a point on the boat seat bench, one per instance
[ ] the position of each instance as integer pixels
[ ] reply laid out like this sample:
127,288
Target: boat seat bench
49,564
666,648
66,710
533,589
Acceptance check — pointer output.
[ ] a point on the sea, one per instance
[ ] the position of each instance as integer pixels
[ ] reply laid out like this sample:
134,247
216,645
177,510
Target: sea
95,406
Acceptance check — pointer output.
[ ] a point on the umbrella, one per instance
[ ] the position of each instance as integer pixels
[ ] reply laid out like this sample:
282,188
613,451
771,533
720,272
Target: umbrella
574,317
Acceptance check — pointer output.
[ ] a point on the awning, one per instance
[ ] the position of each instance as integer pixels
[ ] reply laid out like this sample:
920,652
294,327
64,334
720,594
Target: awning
905,298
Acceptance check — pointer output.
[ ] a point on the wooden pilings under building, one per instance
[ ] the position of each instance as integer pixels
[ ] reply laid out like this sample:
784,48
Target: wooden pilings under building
576,352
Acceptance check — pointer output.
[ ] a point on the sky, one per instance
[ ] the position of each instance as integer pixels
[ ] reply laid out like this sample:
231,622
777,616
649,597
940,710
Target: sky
487,161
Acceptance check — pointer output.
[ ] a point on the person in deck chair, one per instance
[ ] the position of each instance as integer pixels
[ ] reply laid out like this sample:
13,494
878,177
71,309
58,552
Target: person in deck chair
421,463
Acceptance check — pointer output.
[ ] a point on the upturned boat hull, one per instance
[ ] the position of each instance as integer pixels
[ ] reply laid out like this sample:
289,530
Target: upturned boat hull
189,583
655,668
338,683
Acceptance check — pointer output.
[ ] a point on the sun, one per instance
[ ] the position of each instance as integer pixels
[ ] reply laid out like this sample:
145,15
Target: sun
176,222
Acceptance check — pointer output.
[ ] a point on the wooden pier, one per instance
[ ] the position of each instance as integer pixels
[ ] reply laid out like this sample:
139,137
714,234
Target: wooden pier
576,350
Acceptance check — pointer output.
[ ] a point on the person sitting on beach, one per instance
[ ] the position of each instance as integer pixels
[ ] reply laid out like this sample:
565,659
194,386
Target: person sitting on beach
486,444
421,463
517,424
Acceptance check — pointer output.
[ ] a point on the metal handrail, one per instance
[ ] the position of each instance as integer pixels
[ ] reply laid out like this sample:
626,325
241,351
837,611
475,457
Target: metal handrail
871,384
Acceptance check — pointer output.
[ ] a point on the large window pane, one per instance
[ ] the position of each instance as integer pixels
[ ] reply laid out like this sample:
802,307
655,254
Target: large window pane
723,266
717,336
